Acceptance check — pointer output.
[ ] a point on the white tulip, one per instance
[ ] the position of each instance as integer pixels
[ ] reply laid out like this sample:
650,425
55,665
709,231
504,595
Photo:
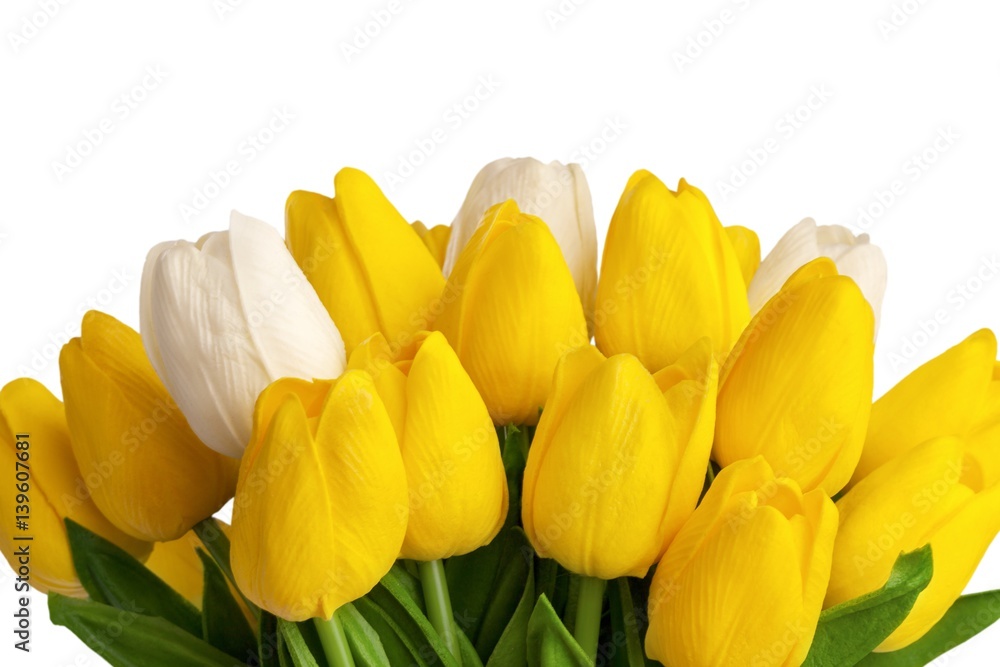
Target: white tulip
555,192
853,255
224,317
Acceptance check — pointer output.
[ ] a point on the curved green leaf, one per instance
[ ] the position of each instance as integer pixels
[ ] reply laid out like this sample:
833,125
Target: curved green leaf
366,646
550,643
625,649
111,576
223,624
851,630
127,638
970,615
510,650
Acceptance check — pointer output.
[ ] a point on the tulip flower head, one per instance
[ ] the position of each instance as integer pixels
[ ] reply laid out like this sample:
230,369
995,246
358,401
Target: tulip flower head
854,256
669,276
458,488
371,270
743,581
156,478
321,504
618,460
435,238
797,387
33,428
510,310
934,494
555,192
224,317
956,393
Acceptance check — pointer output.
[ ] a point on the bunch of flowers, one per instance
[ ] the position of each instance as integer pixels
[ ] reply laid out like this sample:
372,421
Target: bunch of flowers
433,464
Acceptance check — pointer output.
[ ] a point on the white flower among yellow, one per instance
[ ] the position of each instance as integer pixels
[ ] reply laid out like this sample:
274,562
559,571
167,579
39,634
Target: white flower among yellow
854,256
555,192
223,318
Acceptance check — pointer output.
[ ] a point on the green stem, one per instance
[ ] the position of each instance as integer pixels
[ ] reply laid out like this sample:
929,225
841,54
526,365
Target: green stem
438,603
589,604
335,646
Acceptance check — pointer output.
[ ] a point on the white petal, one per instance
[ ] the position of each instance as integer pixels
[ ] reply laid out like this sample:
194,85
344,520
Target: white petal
797,247
555,192
290,329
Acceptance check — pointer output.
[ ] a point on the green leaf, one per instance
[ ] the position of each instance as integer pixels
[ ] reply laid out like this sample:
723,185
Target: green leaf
217,544
403,614
507,593
549,642
269,644
410,583
366,646
296,643
127,638
851,630
469,656
111,576
626,645
510,650
397,650
970,615
223,624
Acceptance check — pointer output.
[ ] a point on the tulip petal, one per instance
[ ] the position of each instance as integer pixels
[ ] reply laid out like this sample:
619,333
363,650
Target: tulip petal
58,489
747,248
435,238
458,487
669,276
891,511
941,397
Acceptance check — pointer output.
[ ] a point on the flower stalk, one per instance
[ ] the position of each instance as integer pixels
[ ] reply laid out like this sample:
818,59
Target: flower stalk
438,601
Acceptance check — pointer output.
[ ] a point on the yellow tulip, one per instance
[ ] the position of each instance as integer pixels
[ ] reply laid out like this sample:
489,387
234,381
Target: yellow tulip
145,468
747,247
370,268
669,276
797,387
618,460
743,581
54,488
932,494
510,310
435,238
456,478
177,563
321,504
956,393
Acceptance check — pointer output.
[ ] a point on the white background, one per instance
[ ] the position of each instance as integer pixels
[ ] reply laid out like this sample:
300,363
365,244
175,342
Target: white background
68,239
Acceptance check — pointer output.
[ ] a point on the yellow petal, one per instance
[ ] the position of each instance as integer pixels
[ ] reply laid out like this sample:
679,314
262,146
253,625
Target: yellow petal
146,469
797,386
690,388
458,487
510,310
893,510
177,563
669,276
56,491
603,475
752,535
436,239
377,358
957,548
747,248
941,397
333,486
369,267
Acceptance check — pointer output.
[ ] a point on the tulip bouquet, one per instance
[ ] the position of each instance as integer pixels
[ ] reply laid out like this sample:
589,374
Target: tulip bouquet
431,462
